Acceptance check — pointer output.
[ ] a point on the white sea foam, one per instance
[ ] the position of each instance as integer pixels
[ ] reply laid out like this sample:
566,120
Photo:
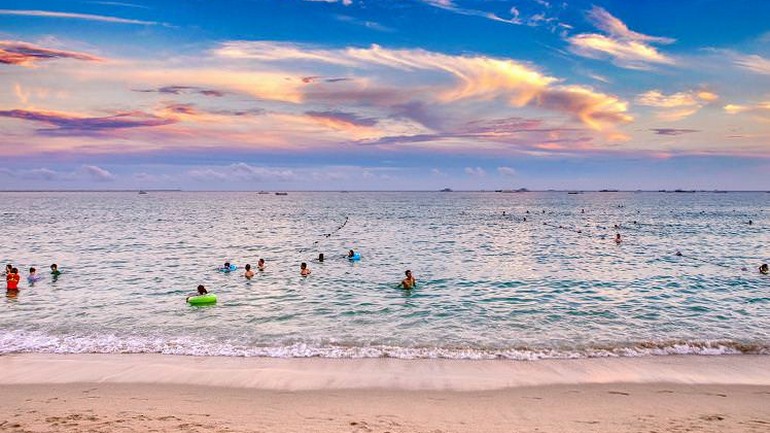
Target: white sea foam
39,342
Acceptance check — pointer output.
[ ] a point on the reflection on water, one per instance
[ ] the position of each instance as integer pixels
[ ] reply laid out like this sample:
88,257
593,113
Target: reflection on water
499,275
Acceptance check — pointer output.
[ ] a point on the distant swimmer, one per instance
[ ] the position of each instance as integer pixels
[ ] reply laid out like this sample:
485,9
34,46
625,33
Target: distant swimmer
320,257
201,291
12,279
33,276
764,269
582,211
55,270
678,253
261,264
751,222
249,273
408,282
351,254
617,239
304,270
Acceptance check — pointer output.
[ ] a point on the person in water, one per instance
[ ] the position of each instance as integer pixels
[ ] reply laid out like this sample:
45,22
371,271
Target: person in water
261,264
249,273
201,291
617,239
304,270
55,270
12,279
320,257
408,282
33,276
764,269
226,267
8,268
351,254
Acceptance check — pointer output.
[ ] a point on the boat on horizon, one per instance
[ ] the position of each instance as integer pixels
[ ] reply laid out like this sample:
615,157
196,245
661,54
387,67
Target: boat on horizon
282,193
141,191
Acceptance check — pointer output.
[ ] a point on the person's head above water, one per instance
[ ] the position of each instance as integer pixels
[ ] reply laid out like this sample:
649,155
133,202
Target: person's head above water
351,253
248,267
14,270
764,268
202,290
227,264
31,270
408,273
303,265
54,267
8,267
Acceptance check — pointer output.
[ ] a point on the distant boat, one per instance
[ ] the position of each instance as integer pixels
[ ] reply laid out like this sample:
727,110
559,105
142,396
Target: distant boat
263,192
446,190
282,193
609,190
574,192
141,191
514,190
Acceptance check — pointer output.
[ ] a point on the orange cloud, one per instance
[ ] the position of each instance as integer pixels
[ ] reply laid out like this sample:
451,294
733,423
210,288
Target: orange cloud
25,54
676,106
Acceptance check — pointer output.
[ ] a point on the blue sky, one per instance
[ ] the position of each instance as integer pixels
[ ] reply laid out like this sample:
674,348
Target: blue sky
419,94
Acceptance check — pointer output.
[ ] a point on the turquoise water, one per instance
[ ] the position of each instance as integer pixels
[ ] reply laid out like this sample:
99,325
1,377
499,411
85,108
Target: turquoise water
490,285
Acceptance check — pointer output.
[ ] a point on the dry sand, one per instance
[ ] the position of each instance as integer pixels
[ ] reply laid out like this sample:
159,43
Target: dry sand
123,393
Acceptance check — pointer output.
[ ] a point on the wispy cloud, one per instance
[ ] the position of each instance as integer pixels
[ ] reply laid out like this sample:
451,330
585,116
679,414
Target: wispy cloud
759,110
506,171
673,131
475,171
85,172
626,48
676,106
26,54
68,124
178,90
75,16
753,63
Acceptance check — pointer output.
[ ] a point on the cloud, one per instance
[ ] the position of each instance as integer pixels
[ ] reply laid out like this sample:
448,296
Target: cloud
179,90
753,63
460,78
68,124
760,110
506,171
76,16
475,171
340,119
673,131
676,106
97,173
626,48
242,172
25,54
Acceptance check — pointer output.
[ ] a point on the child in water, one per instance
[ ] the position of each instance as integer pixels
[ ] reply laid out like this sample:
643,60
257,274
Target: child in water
764,270
55,270
249,273
408,282
261,264
12,279
33,276
617,239
201,291
304,270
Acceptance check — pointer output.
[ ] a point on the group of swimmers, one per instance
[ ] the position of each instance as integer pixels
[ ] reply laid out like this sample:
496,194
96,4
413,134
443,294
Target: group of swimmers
12,276
408,283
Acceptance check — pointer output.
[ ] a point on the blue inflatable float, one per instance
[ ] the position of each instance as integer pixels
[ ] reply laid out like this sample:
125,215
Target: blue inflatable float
229,269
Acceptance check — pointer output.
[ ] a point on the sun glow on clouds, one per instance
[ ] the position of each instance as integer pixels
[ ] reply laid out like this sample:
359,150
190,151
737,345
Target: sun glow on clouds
626,48
676,106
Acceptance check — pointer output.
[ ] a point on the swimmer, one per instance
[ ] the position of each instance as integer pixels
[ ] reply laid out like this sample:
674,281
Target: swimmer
8,268
678,253
261,264
409,282
201,291
304,270
33,276
12,279
751,222
617,239
249,273
55,270
351,254
764,269
321,257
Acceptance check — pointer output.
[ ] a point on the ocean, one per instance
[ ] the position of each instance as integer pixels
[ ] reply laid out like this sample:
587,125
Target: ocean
521,276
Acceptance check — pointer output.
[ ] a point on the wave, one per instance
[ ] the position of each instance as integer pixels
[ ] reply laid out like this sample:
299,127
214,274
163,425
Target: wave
39,342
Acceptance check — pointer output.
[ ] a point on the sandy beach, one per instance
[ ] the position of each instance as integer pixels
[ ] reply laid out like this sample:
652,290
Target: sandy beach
118,393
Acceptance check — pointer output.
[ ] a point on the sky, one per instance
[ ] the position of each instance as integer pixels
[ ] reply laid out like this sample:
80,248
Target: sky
384,94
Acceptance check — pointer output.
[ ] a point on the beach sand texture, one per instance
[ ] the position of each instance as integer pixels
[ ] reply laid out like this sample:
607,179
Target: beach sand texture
122,393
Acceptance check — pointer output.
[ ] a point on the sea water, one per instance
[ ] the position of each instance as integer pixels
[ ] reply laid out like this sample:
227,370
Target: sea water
500,275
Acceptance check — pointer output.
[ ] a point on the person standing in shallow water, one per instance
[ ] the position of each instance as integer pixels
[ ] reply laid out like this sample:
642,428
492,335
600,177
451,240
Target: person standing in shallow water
304,270
12,279
617,239
249,273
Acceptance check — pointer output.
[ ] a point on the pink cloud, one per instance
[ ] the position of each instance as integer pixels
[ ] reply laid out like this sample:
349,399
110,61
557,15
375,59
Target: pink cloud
25,54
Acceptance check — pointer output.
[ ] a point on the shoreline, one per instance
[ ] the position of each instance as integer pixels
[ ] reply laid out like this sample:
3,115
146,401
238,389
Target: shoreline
166,393
295,374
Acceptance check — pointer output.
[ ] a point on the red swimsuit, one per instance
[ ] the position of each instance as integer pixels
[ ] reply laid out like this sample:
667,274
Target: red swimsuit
13,281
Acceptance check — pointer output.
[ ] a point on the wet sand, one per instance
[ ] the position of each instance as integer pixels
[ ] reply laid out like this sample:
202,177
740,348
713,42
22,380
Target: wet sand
120,393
